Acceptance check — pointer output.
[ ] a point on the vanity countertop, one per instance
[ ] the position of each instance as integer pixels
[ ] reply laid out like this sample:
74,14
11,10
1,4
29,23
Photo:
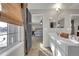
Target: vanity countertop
61,40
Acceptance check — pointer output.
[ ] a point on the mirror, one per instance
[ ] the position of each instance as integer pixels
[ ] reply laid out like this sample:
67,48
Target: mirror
75,25
60,23
57,23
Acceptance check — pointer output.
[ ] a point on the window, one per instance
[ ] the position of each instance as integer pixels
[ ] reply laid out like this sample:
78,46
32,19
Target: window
3,35
9,36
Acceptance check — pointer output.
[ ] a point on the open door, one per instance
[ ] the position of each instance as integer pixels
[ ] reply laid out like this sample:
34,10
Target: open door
28,31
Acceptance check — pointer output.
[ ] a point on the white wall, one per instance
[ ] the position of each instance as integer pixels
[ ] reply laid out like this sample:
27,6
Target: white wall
46,24
45,30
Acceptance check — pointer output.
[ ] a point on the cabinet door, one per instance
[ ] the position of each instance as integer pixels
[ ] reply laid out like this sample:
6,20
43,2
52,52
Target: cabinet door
28,31
58,52
52,48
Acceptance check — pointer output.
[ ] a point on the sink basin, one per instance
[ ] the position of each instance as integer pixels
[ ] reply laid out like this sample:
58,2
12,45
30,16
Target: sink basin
74,41
66,41
69,41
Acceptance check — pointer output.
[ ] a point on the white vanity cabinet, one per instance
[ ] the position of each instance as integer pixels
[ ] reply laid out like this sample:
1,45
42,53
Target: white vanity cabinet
57,48
62,48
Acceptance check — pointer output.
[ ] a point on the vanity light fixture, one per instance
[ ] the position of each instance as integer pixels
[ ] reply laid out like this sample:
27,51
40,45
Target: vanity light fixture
41,22
0,7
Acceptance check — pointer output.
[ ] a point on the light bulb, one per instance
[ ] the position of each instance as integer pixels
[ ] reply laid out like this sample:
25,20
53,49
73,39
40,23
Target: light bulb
57,6
41,23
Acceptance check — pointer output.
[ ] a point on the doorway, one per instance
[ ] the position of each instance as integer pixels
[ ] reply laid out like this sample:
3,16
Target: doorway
37,34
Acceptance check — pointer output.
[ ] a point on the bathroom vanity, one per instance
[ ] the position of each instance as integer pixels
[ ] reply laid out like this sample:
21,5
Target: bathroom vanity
62,46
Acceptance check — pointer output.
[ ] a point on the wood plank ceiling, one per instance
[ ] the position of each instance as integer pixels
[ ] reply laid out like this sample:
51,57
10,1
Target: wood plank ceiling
11,13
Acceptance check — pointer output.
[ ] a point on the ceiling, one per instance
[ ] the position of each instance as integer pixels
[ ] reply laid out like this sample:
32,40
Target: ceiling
40,8
50,5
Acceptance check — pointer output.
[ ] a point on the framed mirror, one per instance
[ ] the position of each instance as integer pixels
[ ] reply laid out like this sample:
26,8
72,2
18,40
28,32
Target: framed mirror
60,23
75,25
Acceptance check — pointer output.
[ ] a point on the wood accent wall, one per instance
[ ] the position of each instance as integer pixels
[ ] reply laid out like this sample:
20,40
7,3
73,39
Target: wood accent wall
11,13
